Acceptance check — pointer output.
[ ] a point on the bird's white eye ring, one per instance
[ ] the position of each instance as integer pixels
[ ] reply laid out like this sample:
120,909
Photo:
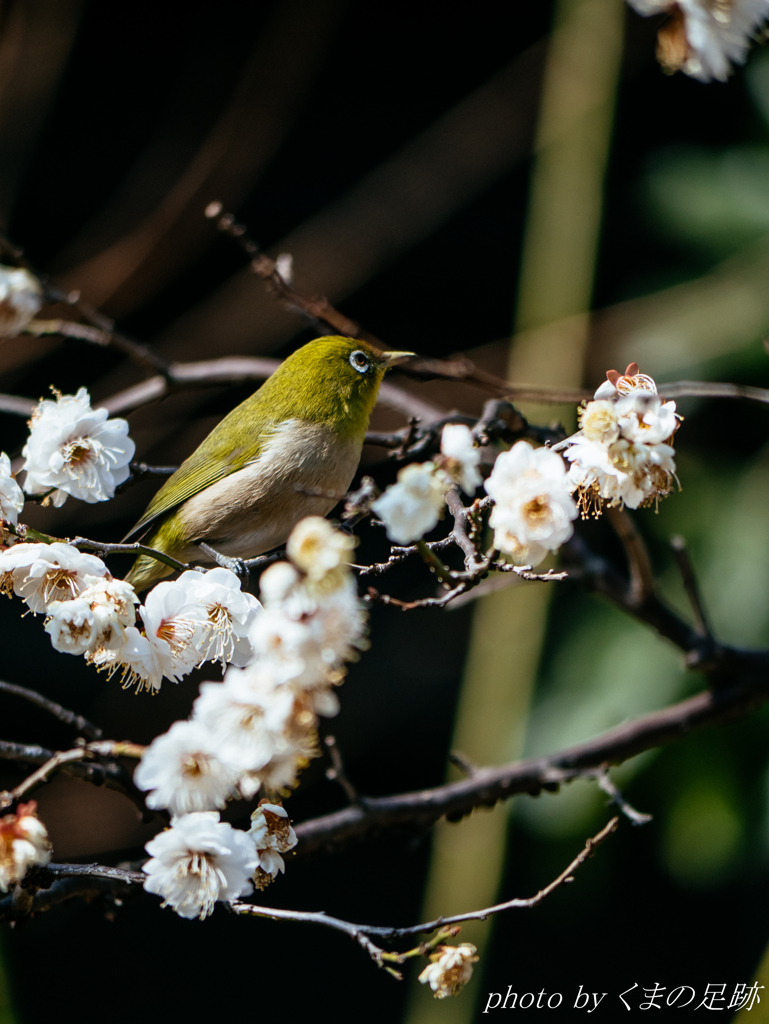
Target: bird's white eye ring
359,361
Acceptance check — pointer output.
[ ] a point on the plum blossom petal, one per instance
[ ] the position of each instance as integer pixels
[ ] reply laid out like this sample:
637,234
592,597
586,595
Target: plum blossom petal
533,509
412,506
461,456
450,970
42,573
184,772
11,495
21,298
23,844
76,450
198,861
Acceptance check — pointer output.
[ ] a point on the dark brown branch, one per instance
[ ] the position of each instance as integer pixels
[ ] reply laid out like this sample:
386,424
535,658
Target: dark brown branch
41,774
82,725
102,772
318,311
17,406
420,809
689,579
102,330
713,389
60,883
641,574
237,369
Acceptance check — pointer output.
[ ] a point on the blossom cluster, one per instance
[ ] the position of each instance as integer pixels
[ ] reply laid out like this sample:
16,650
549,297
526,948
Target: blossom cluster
76,450
704,38
23,844
255,730
533,509
622,454
450,969
412,506
201,616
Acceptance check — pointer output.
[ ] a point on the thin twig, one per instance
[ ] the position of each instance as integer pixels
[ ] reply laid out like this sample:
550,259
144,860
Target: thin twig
141,471
336,772
108,773
639,564
82,725
616,797
134,548
689,579
361,933
318,311
60,758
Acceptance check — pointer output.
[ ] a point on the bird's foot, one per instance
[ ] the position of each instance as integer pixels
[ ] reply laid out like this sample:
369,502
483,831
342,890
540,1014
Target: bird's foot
236,565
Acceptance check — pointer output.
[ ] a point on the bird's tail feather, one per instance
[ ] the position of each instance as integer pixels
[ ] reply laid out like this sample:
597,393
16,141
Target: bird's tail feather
145,571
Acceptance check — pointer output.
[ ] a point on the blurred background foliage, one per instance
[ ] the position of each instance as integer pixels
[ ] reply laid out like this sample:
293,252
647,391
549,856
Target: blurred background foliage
389,147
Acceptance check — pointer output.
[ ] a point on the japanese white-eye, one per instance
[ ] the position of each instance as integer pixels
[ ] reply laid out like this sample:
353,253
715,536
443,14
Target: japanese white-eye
287,452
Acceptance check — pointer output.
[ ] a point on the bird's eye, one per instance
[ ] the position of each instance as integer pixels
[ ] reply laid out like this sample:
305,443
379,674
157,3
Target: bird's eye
359,361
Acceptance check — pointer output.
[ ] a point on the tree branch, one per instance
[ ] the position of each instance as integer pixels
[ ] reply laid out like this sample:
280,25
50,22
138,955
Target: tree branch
82,725
420,809
361,933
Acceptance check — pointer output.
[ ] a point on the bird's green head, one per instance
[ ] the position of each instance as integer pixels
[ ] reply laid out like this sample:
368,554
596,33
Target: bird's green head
333,380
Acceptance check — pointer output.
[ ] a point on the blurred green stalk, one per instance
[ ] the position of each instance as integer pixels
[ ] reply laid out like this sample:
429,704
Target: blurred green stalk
560,245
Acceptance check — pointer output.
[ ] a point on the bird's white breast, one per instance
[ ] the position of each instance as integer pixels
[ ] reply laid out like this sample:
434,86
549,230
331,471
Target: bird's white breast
255,509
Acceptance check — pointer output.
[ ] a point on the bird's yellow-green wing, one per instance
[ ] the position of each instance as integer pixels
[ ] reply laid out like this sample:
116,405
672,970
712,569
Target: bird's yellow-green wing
230,446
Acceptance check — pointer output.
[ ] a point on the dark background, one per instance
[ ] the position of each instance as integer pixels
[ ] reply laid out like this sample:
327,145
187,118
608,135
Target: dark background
90,154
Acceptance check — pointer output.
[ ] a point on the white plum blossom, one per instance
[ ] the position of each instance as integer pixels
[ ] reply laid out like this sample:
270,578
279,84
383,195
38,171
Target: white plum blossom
620,455
175,628
245,715
71,626
450,970
112,602
461,457
284,267
412,506
646,419
76,450
11,495
287,646
704,38
305,637
339,625
296,745
618,384
198,861
533,509
273,835
23,844
42,573
21,298
277,582
599,422
228,613
94,621
183,771
320,551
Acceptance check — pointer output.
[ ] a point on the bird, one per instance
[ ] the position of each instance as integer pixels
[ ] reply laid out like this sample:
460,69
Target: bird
287,452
